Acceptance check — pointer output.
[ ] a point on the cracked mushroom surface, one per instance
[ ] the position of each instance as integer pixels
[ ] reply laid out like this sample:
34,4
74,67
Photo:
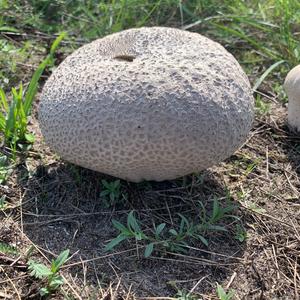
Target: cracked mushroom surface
152,103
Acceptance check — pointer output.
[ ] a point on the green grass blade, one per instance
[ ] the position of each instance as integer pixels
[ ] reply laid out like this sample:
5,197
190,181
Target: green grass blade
2,122
10,121
266,73
4,103
8,29
56,43
154,8
245,37
258,24
20,117
33,86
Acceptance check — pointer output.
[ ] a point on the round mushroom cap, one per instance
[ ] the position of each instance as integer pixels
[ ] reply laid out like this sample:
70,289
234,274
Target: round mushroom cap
147,104
292,81
292,87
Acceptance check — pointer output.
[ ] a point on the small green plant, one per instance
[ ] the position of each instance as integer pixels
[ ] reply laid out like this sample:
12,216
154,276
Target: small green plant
280,92
186,230
184,295
3,204
15,110
5,168
51,275
261,107
11,56
133,230
111,192
245,165
8,249
240,233
222,294
209,221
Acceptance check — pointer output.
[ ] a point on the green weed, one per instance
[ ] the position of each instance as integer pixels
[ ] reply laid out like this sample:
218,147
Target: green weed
51,275
111,193
3,203
8,249
245,165
5,168
261,107
209,222
185,231
184,295
132,230
223,295
171,238
240,233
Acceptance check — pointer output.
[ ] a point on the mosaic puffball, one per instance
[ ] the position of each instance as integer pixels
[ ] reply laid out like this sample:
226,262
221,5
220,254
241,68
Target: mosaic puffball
147,104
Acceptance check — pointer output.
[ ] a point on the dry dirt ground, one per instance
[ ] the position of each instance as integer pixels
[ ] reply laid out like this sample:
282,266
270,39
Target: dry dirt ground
53,205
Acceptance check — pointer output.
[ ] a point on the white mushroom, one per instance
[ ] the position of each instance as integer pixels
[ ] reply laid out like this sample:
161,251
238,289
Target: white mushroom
147,104
292,87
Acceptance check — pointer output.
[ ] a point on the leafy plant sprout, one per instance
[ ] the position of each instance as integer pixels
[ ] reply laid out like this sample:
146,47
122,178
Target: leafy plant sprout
51,275
4,247
5,168
209,221
240,233
223,295
111,193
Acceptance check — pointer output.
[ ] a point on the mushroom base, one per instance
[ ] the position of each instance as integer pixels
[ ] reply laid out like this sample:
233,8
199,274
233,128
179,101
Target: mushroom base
294,115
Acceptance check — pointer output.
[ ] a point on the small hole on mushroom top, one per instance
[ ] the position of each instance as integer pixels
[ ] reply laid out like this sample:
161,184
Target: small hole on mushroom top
125,57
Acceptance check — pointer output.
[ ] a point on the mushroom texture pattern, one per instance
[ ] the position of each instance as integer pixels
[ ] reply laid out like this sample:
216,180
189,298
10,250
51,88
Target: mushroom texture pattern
152,103
292,87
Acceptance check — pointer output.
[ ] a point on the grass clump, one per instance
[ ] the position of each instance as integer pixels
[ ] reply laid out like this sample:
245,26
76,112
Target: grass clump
15,109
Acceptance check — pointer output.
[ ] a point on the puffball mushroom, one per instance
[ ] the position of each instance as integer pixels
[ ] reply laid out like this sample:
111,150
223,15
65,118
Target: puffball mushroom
292,87
147,104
